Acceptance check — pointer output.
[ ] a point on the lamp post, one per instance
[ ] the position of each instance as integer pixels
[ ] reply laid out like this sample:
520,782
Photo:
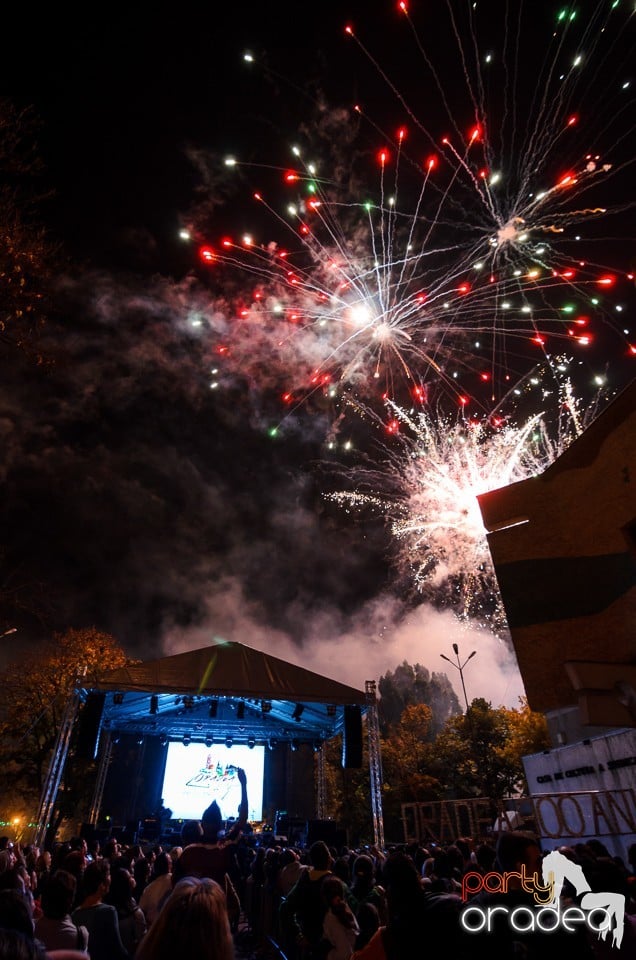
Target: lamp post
460,666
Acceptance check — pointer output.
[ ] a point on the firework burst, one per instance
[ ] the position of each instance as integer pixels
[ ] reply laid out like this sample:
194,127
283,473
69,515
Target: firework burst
427,490
474,250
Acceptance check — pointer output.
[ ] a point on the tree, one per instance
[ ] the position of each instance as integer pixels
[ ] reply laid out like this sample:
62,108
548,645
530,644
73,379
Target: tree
348,792
527,733
406,765
36,691
479,754
411,685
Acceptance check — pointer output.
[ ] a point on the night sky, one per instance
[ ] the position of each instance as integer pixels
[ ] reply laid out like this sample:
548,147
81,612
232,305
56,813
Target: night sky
136,499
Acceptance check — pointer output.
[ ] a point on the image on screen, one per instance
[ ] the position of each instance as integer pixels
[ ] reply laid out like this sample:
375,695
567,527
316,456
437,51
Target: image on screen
196,775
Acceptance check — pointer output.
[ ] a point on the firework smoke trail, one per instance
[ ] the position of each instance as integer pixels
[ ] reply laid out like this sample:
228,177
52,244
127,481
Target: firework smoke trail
455,269
436,471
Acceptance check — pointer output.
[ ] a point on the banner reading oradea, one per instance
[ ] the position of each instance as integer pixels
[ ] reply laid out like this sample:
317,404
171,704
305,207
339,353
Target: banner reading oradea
600,912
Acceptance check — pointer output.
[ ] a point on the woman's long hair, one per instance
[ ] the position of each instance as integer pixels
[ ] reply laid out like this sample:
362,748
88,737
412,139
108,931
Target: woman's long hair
193,923
333,892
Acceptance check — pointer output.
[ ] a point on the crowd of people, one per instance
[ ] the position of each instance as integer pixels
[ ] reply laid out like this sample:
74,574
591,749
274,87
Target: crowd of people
219,895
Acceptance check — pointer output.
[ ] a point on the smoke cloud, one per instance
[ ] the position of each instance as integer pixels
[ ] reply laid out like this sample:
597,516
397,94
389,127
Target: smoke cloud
142,500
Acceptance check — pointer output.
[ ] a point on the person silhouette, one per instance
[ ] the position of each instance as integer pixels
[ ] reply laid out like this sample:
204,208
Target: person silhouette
214,855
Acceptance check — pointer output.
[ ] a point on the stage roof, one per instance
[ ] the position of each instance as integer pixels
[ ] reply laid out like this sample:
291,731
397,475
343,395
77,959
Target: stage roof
224,690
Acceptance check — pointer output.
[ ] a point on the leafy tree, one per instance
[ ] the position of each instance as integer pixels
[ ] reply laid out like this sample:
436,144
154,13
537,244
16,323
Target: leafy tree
411,685
405,754
406,766
36,692
348,792
479,754
527,734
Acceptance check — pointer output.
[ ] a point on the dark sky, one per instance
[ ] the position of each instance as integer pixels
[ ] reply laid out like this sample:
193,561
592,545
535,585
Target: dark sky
134,499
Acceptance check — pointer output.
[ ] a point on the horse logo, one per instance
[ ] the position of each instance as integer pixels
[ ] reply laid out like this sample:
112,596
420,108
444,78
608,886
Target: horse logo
557,868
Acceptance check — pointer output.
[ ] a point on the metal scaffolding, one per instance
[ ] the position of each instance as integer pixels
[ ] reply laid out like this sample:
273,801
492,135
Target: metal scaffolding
321,784
60,752
106,753
56,767
375,763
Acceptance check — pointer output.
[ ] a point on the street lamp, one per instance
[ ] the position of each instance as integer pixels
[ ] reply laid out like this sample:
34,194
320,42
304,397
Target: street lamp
460,666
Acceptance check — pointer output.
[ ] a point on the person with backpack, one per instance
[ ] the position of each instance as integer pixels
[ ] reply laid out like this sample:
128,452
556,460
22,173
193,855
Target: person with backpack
303,910
366,890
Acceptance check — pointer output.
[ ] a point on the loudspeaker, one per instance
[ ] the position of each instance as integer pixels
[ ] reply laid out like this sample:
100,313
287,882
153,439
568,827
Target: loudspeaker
352,737
88,832
93,835
150,828
90,724
326,830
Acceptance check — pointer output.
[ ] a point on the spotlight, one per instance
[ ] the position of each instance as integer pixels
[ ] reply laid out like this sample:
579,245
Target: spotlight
228,742
251,742
140,741
240,711
154,703
163,741
115,739
266,706
317,746
298,712
208,740
214,706
272,744
187,740
118,699
293,746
